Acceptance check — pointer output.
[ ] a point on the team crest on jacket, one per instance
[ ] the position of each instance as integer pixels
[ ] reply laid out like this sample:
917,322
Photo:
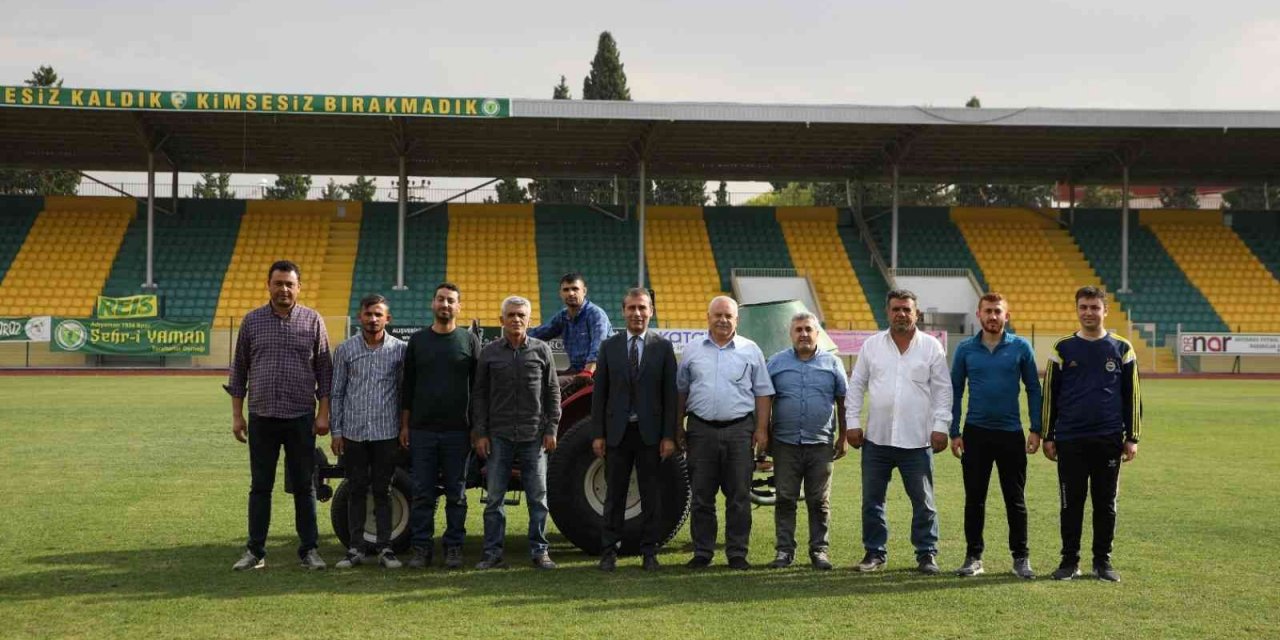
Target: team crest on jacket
1111,366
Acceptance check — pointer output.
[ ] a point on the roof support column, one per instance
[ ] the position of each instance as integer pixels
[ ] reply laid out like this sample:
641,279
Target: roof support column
1266,196
640,217
893,241
1071,202
402,197
150,283
174,194
1124,229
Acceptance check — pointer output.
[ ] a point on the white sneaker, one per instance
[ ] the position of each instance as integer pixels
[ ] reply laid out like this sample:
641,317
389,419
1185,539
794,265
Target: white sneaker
249,561
354,558
387,558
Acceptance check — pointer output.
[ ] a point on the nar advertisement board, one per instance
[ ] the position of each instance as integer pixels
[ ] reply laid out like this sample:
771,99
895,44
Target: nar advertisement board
1229,344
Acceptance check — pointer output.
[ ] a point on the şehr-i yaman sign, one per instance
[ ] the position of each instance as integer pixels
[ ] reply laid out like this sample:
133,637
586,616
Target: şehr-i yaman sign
256,102
130,337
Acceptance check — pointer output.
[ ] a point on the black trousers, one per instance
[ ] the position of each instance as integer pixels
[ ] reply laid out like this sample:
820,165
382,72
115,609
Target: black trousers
370,465
1089,464
1006,451
720,460
632,453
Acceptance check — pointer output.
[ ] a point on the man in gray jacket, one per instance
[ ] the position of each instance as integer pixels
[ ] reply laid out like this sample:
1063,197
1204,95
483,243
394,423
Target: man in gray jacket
515,411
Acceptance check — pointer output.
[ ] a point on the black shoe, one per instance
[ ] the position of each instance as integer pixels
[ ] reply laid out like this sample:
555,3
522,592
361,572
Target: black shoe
1102,569
927,565
1066,571
452,557
492,561
698,562
739,563
783,560
651,562
609,560
871,562
421,558
972,567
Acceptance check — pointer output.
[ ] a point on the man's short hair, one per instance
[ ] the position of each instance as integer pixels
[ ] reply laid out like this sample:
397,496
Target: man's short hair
514,301
636,292
372,299
732,302
446,285
992,297
572,276
805,315
901,294
1090,291
285,266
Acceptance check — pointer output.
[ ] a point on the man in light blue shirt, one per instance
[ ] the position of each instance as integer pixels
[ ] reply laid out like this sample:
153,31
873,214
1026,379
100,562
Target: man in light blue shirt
805,440
365,425
723,387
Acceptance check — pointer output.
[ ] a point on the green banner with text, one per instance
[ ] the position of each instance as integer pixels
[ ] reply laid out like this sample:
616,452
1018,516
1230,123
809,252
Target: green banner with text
256,102
140,306
148,337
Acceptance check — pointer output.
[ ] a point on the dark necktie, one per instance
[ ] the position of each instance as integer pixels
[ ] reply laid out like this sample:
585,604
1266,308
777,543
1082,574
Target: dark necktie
633,355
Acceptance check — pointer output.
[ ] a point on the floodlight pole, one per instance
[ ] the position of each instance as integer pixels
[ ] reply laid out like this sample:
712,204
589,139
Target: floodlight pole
150,284
893,243
1124,229
402,195
640,216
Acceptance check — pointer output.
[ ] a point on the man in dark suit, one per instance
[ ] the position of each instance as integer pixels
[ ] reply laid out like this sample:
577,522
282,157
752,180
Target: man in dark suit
633,413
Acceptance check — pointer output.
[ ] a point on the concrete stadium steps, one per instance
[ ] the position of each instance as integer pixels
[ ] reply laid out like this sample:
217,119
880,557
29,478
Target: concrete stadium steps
274,230
1038,267
491,255
603,249
1243,292
1260,231
816,249
682,266
66,257
873,283
192,249
426,237
17,214
745,238
927,239
342,245
1159,292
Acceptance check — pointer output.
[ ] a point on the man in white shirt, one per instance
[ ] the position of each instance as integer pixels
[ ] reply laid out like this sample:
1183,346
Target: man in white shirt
905,372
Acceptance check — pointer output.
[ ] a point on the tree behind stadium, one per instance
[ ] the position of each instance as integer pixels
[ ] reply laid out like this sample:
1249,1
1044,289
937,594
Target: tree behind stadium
54,182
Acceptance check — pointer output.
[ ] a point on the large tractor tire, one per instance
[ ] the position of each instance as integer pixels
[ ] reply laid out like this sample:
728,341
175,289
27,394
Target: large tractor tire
576,494
401,499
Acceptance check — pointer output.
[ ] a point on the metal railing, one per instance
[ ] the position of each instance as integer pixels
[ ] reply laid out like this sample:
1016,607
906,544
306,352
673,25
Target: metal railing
864,232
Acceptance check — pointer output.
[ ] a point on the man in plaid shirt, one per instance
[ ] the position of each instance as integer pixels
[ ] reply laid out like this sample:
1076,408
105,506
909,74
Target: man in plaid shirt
282,364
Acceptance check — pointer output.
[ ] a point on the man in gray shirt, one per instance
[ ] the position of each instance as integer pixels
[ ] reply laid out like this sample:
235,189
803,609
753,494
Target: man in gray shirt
723,386
515,411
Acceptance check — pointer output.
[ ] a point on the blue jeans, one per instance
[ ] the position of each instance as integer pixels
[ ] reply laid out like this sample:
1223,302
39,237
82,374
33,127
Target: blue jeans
916,467
430,454
533,474
267,436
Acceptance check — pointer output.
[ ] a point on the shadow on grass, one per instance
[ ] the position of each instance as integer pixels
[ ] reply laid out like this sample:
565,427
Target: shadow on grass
204,571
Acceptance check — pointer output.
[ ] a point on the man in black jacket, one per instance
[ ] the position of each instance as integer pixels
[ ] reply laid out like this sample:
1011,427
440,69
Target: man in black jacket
633,414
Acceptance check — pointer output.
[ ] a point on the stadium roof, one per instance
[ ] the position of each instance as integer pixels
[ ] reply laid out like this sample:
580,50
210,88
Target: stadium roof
235,132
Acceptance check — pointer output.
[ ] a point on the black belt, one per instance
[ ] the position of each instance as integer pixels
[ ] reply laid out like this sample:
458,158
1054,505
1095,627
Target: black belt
719,424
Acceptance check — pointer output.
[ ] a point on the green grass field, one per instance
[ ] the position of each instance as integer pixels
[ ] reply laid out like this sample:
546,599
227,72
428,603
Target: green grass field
127,508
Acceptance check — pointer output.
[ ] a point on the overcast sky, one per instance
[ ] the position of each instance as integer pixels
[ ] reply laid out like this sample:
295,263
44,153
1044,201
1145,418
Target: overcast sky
1128,54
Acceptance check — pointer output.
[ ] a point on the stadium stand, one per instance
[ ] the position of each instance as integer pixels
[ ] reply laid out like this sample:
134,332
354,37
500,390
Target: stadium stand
192,249
1159,291
17,214
66,256
927,239
425,254
299,231
491,255
1242,290
602,249
1036,264
745,238
816,249
1260,231
682,266
869,276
